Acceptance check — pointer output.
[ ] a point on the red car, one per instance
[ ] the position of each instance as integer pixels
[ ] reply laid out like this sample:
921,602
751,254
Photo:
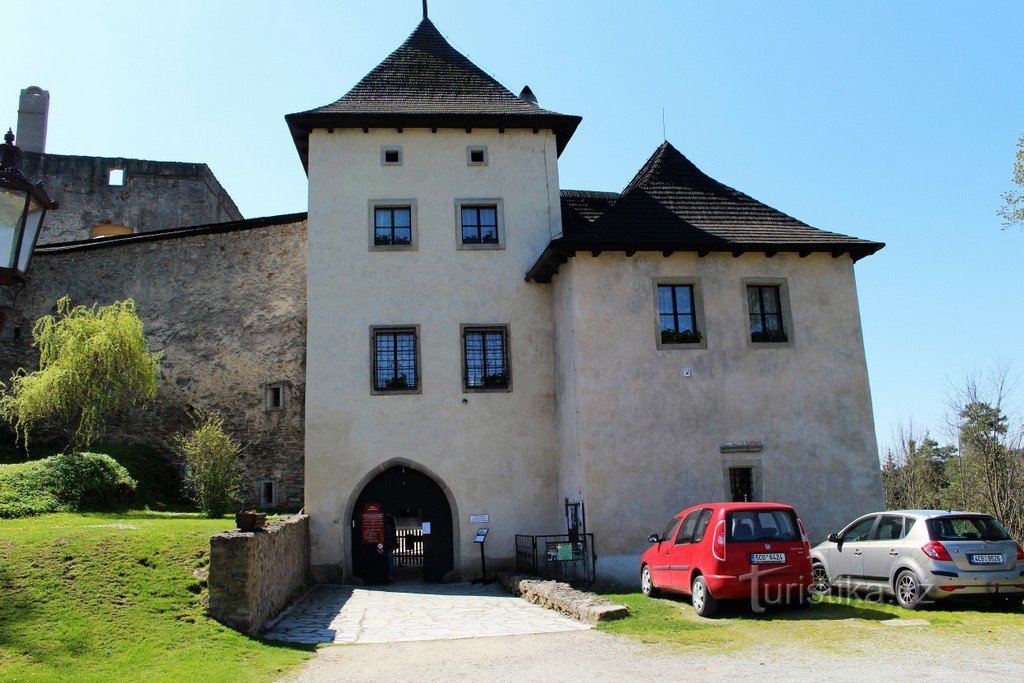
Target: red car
722,551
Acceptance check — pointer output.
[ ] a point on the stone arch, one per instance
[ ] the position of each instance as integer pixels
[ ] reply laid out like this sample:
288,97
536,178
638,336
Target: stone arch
368,478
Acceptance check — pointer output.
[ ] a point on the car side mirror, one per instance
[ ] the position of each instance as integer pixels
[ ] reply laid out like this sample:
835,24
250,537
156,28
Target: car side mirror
833,538
654,538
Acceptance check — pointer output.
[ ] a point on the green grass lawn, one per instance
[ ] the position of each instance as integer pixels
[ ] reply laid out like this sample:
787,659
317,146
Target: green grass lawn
94,597
836,624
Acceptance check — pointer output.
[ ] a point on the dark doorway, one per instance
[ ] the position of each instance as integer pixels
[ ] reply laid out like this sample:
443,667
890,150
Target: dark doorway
402,529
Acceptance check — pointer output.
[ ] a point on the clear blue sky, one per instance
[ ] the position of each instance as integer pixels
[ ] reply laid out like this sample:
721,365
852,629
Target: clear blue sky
890,121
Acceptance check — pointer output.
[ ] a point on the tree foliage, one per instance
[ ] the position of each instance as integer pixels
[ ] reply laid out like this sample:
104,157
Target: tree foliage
1012,210
983,472
914,472
211,465
93,362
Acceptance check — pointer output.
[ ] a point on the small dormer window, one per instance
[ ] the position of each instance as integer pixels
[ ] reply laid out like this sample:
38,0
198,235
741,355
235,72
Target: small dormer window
476,156
116,177
391,156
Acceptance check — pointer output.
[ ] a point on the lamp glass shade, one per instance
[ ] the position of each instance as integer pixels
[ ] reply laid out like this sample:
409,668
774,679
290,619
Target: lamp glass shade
12,208
33,219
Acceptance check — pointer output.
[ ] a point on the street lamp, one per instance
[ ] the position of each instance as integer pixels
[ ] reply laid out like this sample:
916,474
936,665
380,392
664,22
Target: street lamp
22,208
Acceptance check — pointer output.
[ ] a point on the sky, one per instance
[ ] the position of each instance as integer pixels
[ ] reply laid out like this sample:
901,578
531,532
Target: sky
895,122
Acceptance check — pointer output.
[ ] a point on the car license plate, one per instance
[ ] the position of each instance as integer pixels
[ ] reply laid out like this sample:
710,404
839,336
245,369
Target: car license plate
986,559
767,558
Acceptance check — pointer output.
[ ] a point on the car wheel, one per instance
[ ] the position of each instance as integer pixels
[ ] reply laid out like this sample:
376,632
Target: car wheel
908,590
647,583
1010,603
821,584
704,604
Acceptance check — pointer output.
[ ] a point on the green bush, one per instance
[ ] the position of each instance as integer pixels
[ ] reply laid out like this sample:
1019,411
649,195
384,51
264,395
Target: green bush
89,481
76,481
211,465
23,490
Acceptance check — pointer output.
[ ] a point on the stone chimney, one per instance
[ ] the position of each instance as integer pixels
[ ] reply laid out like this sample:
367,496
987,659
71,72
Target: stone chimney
33,109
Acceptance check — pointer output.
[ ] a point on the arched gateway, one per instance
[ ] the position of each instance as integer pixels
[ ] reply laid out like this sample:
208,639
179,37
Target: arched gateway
402,528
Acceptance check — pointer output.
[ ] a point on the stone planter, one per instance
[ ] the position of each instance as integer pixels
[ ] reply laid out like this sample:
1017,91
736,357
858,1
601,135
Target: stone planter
251,521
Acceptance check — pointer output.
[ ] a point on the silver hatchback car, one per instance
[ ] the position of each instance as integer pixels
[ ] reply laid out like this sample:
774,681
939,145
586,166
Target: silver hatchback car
921,556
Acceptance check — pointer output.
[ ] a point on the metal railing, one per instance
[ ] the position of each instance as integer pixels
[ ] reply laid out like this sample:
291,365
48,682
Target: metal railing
556,556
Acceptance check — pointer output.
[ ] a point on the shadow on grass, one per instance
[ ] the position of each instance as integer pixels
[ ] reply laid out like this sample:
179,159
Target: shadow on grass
831,609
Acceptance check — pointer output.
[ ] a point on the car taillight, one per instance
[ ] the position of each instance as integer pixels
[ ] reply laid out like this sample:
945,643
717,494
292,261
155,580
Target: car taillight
1020,553
718,543
936,551
803,534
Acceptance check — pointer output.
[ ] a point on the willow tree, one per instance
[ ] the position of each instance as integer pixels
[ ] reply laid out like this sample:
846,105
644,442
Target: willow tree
93,362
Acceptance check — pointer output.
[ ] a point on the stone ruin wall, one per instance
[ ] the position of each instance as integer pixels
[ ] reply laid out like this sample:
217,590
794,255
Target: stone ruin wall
227,309
155,195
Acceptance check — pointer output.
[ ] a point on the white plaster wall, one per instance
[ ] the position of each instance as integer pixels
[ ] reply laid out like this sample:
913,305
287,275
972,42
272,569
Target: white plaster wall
496,454
649,438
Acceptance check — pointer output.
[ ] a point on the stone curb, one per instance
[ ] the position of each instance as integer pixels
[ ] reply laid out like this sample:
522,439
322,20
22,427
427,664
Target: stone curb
562,597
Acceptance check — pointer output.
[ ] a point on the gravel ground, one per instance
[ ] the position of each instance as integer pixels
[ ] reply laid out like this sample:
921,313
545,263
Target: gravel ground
593,655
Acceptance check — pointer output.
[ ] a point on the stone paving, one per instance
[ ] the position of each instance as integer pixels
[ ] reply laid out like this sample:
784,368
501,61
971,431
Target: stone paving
388,614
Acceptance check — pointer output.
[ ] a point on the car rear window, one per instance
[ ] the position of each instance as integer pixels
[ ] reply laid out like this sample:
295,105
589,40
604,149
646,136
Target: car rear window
966,528
760,525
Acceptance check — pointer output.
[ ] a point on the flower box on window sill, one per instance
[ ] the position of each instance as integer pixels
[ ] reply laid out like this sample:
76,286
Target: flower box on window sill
684,337
768,336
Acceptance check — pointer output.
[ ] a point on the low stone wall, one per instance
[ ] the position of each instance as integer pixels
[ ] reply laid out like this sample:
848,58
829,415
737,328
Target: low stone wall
562,597
254,575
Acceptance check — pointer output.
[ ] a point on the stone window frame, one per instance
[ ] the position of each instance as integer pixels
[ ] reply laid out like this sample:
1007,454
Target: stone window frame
410,204
269,406
787,316
417,360
464,329
698,302
264,503
470,149
756,476
499,210
385,149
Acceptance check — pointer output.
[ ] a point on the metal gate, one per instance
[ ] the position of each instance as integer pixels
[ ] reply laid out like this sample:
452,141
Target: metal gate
409,552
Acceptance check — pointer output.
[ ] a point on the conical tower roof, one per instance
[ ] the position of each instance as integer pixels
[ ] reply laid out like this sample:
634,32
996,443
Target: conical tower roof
428,83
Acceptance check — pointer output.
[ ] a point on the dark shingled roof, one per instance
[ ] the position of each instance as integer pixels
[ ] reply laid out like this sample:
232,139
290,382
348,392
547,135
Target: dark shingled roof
671,205
427,83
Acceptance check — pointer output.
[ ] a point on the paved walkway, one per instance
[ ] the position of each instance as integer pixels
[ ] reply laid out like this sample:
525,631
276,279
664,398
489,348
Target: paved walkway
389,614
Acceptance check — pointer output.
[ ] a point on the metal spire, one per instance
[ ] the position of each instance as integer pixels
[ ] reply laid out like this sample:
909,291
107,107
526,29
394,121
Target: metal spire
424,9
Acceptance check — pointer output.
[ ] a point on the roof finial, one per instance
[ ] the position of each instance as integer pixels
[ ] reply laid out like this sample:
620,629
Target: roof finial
424,9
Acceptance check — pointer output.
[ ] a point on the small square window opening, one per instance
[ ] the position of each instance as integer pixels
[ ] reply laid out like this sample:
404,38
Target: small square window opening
477,156
391,156
116,176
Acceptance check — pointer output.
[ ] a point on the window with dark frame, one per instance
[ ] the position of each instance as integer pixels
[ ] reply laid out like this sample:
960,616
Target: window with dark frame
392,226
764,303
677,312
480,224
741,484
394,359
485,358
